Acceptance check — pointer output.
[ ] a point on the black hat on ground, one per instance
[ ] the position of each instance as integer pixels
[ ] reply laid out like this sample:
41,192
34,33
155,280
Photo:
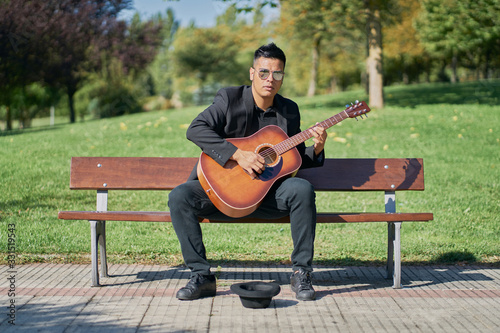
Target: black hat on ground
256,294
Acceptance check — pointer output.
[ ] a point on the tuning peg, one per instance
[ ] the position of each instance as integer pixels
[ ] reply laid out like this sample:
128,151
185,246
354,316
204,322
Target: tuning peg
357,101
347,105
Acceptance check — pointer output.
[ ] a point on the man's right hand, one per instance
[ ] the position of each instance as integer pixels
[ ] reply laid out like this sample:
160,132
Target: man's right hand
252,163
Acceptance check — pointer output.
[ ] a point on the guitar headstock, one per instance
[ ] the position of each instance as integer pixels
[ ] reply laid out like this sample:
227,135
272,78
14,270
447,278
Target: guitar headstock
357,109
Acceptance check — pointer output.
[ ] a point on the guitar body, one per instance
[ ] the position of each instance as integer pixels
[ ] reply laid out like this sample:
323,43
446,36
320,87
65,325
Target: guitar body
231,189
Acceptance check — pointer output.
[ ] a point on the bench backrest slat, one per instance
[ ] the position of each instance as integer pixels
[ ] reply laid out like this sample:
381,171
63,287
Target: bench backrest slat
165,173
367,174
129,173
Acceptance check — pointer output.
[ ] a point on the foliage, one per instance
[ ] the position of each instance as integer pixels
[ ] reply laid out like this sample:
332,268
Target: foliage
468,30
322,63
135,44
209,58
401,39
249,8
28,101
315,21
199,56
335,33
405,58
52,40
110,93
60,42
161,69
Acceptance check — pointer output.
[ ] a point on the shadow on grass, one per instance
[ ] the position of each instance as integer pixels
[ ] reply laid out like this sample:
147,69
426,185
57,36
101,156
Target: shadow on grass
33,129
456,257
479,92
484,92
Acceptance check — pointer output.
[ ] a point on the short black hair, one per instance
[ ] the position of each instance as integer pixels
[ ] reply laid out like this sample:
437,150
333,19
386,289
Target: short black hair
270,51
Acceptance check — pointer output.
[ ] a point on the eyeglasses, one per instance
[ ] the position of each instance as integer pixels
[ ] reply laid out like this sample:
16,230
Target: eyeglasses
264,74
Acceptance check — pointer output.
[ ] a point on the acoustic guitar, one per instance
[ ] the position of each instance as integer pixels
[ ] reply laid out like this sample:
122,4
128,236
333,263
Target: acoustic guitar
233,191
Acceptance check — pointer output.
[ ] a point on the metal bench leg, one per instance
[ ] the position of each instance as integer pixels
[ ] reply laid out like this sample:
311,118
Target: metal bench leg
393,242
389,268
94,235
397,255
393,267
102,248
98,234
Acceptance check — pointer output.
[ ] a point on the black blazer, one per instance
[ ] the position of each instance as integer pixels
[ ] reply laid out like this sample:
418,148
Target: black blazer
229,116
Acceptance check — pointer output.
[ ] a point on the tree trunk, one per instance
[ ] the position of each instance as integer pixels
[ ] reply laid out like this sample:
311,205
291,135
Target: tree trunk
405,75
454,62
71,103
487,71
334,86
442,72
8,120
428,69
314,68
374,60
364,81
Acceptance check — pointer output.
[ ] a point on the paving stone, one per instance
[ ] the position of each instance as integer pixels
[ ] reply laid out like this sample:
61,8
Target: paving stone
136,298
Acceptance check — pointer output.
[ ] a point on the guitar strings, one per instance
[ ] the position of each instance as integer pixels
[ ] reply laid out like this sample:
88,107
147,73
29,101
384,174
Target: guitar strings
295,140
298,138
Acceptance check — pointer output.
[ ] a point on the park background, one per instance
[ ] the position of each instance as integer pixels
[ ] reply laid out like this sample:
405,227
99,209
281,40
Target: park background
96,78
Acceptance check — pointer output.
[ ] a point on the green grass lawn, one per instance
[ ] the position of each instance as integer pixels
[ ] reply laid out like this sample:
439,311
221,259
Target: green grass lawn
454,128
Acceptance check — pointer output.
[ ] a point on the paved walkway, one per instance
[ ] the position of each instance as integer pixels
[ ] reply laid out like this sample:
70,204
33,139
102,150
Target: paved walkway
58,298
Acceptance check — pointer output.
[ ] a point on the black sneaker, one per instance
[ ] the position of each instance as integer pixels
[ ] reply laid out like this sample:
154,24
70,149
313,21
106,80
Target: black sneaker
302,285
198,286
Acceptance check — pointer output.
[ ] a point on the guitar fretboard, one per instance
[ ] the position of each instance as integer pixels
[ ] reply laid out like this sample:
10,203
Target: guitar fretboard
297,139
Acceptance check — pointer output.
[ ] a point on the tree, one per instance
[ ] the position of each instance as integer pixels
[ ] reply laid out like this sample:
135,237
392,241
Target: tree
324,21
374,64
161,67
17,57
135,44
316,22
209,58
53,41
461,31
207,54
58,43
403,51
377,13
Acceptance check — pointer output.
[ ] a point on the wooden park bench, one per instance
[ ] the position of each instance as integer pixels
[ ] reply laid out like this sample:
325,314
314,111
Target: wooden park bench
104,174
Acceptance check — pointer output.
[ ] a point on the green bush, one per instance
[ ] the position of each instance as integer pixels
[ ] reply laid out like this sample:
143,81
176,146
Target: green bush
109,93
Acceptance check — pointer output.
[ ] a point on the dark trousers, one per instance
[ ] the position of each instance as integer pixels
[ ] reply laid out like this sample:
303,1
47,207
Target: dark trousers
293,196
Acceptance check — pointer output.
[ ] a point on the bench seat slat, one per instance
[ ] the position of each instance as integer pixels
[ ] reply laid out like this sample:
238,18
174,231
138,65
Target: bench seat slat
321,217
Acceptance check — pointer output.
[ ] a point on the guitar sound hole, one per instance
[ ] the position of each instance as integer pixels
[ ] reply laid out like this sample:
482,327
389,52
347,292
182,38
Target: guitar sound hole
269,155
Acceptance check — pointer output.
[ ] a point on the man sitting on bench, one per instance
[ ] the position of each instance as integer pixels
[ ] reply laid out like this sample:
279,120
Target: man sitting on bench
235,113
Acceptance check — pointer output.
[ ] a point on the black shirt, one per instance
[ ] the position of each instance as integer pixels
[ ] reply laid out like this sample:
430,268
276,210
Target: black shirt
263,118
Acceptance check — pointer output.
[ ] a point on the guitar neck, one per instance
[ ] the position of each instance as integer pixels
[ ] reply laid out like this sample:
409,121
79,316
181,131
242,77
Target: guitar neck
297,139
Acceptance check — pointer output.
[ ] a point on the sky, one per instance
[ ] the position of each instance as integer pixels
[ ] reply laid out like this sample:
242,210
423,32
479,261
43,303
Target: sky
202,12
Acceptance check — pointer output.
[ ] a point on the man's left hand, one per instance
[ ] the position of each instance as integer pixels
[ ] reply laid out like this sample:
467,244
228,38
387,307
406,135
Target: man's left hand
319,137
